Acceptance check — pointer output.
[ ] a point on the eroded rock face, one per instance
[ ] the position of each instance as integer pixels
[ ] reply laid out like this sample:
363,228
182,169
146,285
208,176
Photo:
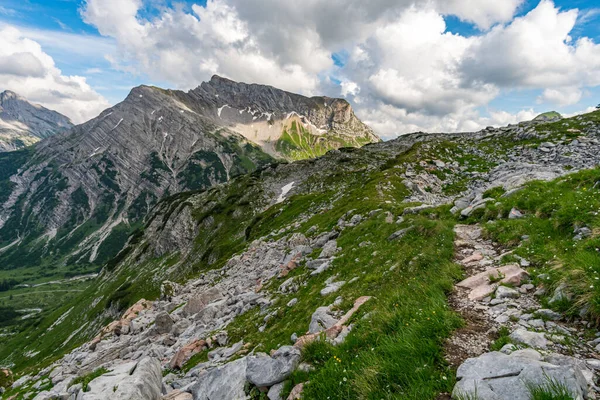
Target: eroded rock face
497,376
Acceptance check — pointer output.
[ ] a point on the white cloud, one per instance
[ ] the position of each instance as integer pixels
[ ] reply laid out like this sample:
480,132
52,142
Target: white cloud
404,71
27,70
561,96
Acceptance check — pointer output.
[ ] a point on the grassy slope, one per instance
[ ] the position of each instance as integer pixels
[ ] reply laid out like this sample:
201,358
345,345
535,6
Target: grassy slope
396,352
297,143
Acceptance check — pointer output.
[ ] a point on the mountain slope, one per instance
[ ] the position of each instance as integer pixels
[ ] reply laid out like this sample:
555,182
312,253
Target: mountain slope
71,201
23,123
285,125
269,253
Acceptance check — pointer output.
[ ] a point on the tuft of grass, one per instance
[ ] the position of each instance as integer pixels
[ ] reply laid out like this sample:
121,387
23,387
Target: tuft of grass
551,390
86,379
503,339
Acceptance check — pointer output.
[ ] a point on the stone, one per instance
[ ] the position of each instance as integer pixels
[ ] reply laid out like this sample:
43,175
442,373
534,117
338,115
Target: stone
186,352
329,249
180,327
274,392
296,393
560,294
481,286
222,383
198,303
178,395
531,339
321,320
548,314
497,376
292,302
537,323
515,214
332,288
265,371
399,234
504,292
163,323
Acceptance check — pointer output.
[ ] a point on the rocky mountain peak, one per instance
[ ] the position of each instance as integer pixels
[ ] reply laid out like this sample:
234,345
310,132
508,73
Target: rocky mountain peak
23,123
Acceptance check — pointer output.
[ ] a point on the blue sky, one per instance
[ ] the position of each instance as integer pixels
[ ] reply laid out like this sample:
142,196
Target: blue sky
337,54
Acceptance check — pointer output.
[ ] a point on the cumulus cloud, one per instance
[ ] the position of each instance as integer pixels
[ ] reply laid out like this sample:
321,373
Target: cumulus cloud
28,71
401,68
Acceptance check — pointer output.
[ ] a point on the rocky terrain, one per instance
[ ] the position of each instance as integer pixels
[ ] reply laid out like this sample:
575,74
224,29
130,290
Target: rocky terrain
461,264
23,124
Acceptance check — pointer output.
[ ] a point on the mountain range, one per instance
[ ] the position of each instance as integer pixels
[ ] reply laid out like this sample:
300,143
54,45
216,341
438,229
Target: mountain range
70,202
23,124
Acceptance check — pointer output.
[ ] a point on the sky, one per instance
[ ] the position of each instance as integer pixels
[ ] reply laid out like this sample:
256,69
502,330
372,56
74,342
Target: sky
404,65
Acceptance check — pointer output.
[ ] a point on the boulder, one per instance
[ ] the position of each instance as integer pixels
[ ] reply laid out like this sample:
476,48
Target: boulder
163,323
222,383
531,339
497,376
198,303
515,214
186,352
332,287
265,371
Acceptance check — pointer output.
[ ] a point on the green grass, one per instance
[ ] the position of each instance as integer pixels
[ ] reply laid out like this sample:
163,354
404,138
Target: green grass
86,379
503,339
551,390
297,143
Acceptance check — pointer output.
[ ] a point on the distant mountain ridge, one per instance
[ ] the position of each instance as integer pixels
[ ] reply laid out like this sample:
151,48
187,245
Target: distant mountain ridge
23,123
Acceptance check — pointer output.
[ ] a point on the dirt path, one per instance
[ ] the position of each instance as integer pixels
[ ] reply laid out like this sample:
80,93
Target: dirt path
506,302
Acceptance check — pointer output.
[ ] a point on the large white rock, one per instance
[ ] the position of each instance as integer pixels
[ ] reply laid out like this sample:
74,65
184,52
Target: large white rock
497,376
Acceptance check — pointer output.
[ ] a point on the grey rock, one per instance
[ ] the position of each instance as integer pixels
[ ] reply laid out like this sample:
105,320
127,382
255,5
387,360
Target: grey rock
504,292
497,376
531,339
292,302
163,323
399,234
321,320
222,383
560,294
274,392
549,314
329,249
332,288
515,214
265,371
